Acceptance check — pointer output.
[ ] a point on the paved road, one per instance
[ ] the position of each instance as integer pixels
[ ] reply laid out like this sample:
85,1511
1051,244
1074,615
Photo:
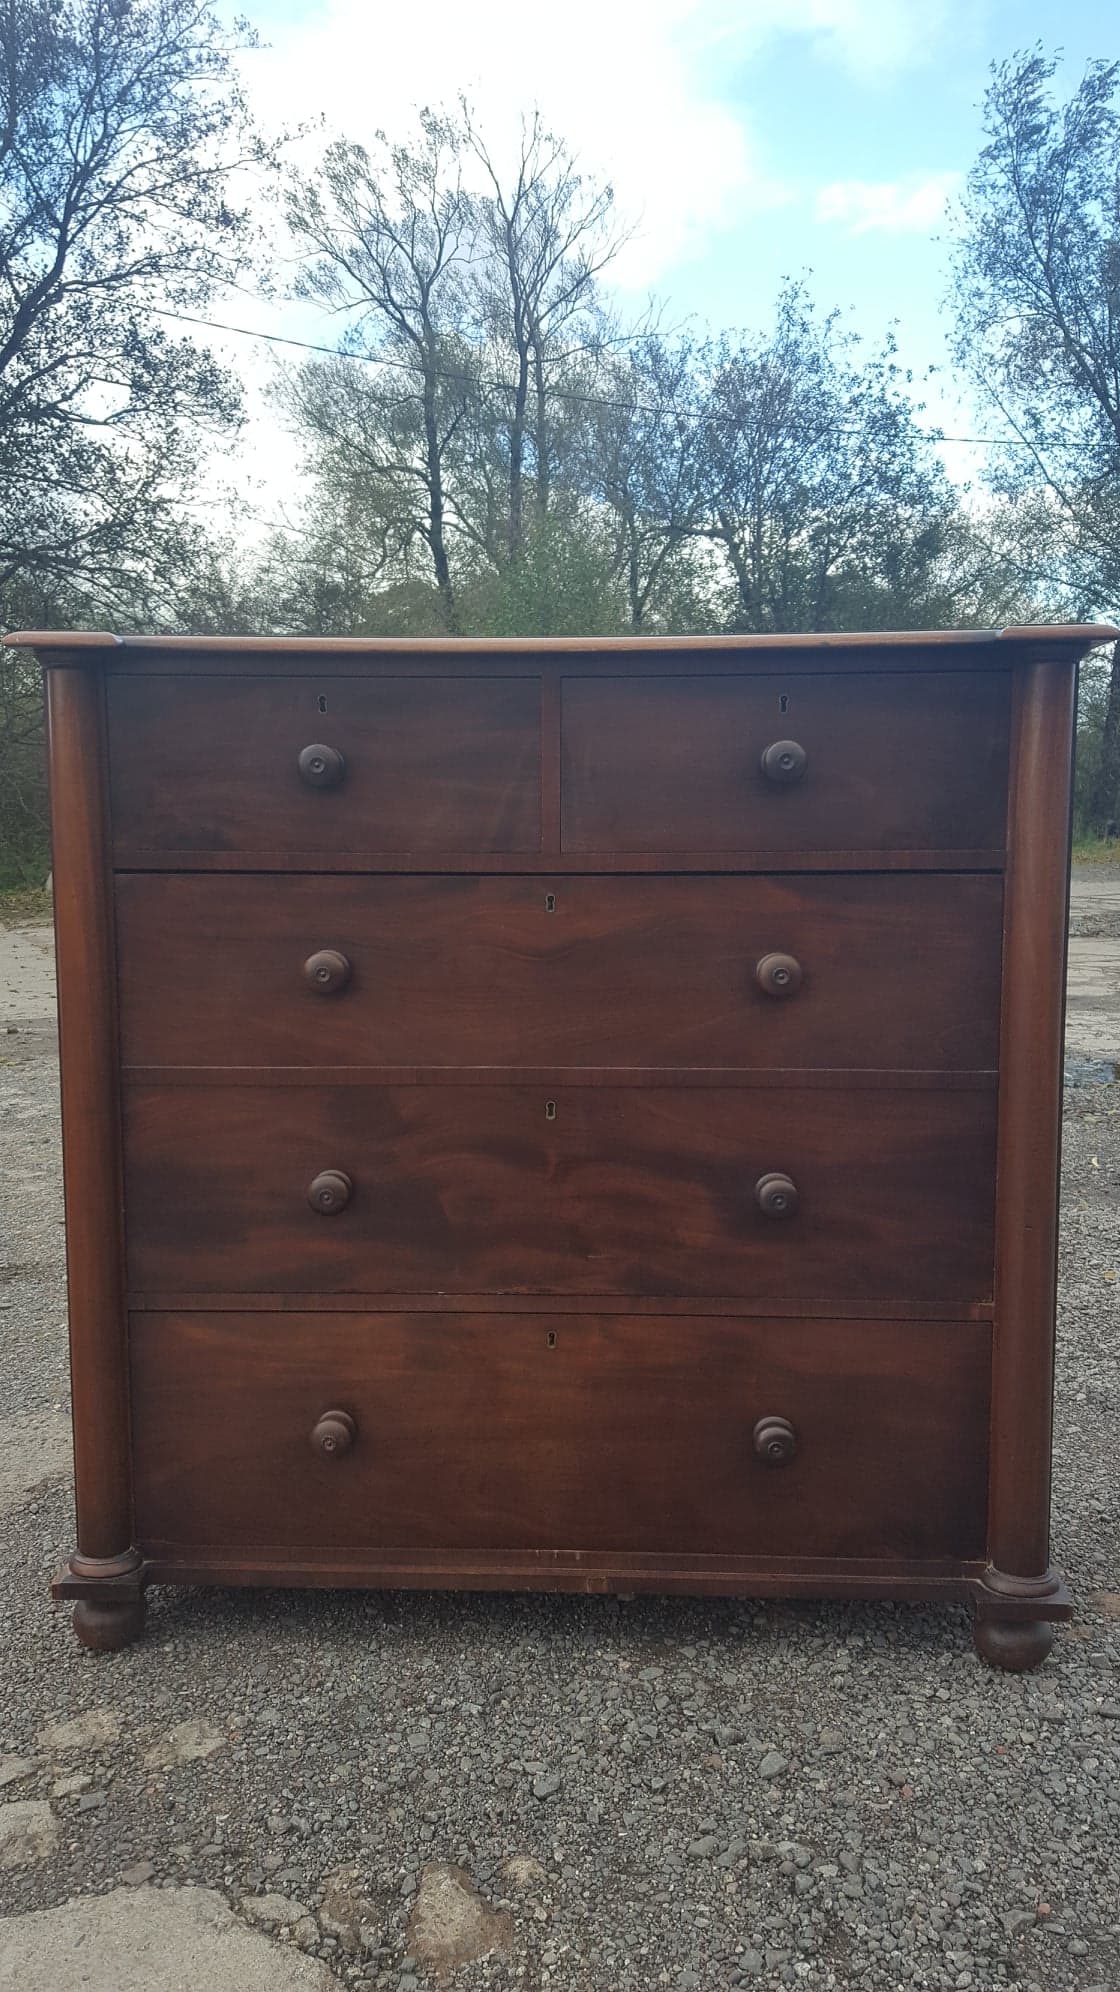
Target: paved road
556,1795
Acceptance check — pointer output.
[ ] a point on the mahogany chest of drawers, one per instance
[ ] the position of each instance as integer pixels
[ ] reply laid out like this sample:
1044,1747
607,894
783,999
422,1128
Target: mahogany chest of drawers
571,1115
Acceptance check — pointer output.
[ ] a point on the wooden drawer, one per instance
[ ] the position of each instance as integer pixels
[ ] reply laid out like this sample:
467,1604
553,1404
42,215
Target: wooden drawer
893,763
479,1189
593,1432
636,972
211,764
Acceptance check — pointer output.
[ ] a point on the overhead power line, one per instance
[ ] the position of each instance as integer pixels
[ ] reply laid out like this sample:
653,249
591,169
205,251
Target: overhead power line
507,387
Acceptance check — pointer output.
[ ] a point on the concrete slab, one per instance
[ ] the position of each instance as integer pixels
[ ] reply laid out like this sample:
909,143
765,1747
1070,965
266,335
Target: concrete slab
148,1940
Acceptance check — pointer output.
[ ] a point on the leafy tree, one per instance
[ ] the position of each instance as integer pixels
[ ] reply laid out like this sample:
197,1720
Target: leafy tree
1036,287
645,460
121,125
388,237
563,583
818,479
545,236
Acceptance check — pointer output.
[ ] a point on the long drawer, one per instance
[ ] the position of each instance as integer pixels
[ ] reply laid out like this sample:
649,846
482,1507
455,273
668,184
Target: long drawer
826,763
593,1432
879,971
591,1190
323,765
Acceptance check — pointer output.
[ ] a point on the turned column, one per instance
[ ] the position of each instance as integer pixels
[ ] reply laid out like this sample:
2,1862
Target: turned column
1036,919
87,1024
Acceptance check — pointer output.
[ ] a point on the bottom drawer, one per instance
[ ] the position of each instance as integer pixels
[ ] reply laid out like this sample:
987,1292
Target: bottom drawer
596,1432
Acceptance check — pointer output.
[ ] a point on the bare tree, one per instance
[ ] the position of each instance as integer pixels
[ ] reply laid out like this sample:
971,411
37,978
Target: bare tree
1036,288
121,132
817,471
549,235
388,239
644,459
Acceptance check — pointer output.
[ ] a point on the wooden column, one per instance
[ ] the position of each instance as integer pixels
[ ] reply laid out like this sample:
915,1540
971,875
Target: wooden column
83,915
1036,920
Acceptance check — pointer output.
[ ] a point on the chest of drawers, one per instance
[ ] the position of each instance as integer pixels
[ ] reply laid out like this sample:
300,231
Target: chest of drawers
570,1115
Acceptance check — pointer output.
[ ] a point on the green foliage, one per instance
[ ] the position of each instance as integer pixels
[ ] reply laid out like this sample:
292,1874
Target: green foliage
24,832
120,125
1036,291
1094,693
564,584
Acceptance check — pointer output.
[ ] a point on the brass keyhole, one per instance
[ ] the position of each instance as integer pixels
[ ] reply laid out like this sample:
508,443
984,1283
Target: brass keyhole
550,1110
550,902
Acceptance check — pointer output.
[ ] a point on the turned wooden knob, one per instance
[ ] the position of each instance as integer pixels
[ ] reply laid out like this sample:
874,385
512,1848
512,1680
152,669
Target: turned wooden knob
326,972
778,975
776,1195
333,1435
785,761
322,767
775,1441
330,1191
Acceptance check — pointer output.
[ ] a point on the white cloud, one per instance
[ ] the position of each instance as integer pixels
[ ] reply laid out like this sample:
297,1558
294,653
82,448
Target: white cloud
916,202
641,92
632,91
875,39
654,96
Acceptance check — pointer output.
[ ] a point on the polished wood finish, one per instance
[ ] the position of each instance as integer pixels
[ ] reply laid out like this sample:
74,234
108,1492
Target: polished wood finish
1036,925
590,1113
629,1191
897,972
212,764
607,1432
83,924
882,761
905,647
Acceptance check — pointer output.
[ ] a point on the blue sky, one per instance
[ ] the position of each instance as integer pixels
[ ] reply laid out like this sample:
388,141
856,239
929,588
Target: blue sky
746,139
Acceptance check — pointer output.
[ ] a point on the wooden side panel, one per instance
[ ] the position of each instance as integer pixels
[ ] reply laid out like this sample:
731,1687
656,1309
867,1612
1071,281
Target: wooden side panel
83,919
210,764
1030,1106
588,1433
624,1191
897,972
894,762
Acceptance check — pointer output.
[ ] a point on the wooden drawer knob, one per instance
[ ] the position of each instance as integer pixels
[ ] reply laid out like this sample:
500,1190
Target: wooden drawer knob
327,972
330,1191
783,762
778,975
333,1435
322,767
775,1441
776,1195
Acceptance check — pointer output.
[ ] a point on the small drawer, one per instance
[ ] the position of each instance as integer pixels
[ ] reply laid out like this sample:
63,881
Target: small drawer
592,1190
636,1433
849,972
827,765
288,767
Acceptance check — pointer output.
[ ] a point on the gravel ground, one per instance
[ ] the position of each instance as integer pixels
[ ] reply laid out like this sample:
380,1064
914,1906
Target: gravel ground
589,1795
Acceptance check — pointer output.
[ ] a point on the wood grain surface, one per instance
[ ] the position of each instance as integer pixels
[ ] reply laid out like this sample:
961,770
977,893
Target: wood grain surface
674,764
478,1188
210,764
627,1433
897,972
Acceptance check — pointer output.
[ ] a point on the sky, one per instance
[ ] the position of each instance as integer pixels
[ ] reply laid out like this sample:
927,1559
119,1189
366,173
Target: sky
746,141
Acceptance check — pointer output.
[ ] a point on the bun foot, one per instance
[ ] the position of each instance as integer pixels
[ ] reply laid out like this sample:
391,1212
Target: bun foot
1014,1645
106,1626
